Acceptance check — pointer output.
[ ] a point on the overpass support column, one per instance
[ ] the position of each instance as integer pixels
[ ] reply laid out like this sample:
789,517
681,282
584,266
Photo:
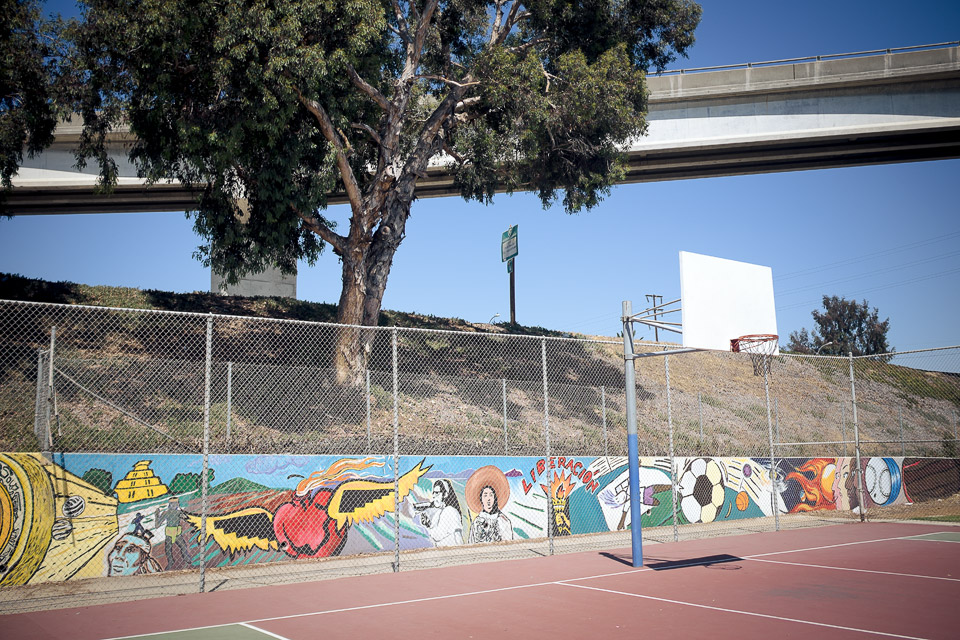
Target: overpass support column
266,283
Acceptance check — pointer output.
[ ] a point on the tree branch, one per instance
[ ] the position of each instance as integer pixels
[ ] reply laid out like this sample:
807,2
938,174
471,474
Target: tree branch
404,30
368,89
527,45
335,240
497,21
369,130
466,103
453,154
512,19
452,83
330,133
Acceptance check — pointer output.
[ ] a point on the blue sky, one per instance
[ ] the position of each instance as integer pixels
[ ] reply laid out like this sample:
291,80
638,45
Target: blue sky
888,234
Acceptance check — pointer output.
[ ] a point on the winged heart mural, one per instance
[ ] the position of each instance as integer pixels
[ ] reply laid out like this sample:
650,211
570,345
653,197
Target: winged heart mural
314,522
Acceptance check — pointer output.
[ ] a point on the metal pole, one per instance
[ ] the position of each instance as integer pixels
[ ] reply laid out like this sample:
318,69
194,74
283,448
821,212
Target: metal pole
513,291
229,396
369,442
843,427
503,382
396,458
551,511
673,459
633,460
773,458
700,417
603,415
900,416
39,403
206,454
48,435
856,441
776,411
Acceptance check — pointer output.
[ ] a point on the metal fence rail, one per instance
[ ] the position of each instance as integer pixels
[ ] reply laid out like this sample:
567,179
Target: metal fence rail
236,450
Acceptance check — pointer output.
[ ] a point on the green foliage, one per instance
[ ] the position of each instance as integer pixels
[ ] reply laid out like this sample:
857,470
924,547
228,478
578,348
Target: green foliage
269,107
844,326
100,478
30,82
189,482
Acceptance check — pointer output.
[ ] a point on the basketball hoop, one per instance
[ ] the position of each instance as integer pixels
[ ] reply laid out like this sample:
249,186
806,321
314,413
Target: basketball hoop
760,346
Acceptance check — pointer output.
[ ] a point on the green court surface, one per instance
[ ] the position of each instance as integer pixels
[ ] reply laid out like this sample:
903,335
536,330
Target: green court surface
225,632
945,536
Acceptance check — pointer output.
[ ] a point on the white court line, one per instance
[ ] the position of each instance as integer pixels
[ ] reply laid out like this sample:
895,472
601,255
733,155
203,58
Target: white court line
746,613
830,546
515,587
921,539
380,604
826,566
263,631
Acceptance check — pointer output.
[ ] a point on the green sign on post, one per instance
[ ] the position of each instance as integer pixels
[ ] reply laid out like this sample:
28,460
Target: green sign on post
508,244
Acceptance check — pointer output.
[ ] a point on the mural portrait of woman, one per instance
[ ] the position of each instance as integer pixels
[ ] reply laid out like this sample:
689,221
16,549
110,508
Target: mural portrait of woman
443,520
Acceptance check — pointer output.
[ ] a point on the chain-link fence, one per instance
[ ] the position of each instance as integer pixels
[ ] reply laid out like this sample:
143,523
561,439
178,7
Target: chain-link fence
199,451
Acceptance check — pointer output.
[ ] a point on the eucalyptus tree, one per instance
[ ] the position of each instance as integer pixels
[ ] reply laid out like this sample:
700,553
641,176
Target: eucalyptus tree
30,83
270,106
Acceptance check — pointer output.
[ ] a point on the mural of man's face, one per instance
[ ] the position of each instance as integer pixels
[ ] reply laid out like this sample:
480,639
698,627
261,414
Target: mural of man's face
124,558
488,497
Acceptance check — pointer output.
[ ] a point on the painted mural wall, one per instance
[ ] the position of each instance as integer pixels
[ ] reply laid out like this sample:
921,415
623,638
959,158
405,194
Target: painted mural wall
90,515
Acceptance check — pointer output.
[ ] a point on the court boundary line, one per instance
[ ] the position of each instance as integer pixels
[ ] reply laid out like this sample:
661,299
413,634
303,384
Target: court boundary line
257,629
825,566
840,544
527,586
747,613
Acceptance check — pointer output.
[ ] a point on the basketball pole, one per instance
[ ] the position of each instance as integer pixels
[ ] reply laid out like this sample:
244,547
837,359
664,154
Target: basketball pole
633,454
630,392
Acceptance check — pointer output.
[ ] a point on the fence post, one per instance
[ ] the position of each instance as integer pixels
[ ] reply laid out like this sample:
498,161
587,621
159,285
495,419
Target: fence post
551,509
843,426
603,414
903,451
396,458
40,404
773,458
503,382
673,460
229,397
700,418
206,452
369,443
776,413
856,442
49,409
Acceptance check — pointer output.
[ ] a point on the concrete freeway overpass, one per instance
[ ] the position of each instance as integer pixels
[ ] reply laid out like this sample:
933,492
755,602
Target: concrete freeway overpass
812,113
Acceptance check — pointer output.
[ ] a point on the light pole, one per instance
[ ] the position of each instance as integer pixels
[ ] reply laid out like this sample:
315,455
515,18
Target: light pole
496,315
825,344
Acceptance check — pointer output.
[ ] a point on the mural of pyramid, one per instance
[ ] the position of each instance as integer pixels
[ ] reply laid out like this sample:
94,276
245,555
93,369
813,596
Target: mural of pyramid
140,484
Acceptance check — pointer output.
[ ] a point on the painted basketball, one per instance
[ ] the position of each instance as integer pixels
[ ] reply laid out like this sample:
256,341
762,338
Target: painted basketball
743,501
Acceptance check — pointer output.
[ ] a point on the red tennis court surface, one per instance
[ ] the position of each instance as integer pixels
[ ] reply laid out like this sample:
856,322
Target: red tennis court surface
839,581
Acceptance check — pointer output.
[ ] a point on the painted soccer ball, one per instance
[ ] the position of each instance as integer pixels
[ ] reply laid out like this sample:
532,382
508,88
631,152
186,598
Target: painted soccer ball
701,490
881,478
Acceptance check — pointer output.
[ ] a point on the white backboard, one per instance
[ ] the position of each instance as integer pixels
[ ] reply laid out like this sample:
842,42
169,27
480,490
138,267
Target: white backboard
724,299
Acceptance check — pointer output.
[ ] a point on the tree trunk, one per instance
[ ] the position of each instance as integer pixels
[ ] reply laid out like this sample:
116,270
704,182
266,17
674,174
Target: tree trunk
366,267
